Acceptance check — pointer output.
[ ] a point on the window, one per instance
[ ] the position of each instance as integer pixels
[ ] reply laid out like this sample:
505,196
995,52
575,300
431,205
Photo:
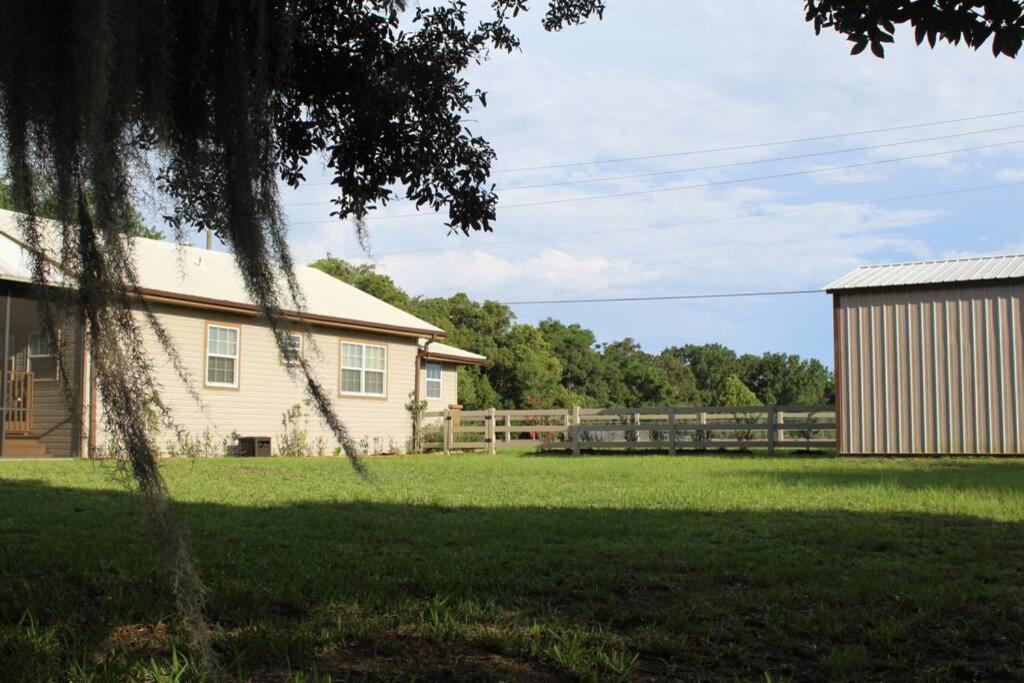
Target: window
42,356
221,356
433,371
292,349
363,369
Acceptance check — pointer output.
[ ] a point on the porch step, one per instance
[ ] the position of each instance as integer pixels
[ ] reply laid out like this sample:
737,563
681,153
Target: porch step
24,447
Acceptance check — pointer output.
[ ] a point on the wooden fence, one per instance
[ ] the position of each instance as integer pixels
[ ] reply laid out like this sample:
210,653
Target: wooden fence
669,429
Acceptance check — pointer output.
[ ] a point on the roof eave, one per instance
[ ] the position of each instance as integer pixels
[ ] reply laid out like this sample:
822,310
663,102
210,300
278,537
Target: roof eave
459,360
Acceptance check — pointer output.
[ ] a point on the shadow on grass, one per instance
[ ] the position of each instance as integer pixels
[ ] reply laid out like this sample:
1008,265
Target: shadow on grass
990,476
399,590
689,453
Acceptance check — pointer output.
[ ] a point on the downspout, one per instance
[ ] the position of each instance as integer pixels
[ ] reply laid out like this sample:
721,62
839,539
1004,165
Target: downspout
420,355
92,400
3,375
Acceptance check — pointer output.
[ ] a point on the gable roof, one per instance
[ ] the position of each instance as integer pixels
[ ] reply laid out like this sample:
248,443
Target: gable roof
974,269
190,276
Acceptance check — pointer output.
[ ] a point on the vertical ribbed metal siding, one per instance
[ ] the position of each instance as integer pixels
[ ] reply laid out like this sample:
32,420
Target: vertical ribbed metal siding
931,370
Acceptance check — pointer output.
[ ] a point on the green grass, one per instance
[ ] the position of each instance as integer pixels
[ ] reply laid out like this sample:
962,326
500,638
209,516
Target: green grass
522,567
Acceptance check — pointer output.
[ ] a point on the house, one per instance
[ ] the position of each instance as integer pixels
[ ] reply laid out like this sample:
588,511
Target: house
929,357
373,357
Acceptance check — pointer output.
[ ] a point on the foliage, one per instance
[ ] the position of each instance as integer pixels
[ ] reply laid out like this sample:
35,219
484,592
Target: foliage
416,409
294,441
841,569
557,365
737,395
970,21
212,103
47,206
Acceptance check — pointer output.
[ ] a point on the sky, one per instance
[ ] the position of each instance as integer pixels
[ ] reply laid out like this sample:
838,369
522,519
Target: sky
659,77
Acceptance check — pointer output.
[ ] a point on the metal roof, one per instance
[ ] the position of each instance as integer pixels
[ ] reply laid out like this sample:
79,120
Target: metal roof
192,272
975,269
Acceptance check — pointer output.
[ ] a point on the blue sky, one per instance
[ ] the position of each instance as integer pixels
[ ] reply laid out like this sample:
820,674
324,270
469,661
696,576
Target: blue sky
669,76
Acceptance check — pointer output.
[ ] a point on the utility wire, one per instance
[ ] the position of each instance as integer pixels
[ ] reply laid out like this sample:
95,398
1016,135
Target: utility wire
756,145
732,164
674,297
718,183
751,162
704,221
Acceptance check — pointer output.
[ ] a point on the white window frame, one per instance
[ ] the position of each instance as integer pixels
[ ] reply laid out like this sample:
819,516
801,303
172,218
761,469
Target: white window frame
50,355
362,369
428,381
237,357
284,360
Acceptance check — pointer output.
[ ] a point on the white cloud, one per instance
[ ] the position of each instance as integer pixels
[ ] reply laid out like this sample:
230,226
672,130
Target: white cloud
653,78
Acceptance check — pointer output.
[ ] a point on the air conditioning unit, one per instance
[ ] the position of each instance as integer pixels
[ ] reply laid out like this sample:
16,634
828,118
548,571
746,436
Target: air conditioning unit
254,446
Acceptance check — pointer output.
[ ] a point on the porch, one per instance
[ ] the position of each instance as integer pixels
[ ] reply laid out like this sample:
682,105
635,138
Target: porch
37,420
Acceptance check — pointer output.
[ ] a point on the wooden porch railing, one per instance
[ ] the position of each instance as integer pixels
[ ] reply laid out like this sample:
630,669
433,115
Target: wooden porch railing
19,402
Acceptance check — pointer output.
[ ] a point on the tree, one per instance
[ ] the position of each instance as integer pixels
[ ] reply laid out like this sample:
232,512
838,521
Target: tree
786,379
711,365
214,101
971,21
633,376
685,391
576,351
46,207
366,278
736,394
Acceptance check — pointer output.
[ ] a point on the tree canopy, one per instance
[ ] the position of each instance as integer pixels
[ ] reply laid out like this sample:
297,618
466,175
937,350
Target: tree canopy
873,22
212,103
555,365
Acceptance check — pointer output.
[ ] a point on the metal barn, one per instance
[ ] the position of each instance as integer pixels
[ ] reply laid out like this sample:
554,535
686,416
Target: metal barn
929,357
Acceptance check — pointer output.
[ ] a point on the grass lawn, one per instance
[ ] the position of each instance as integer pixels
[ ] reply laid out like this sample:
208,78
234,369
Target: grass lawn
528,567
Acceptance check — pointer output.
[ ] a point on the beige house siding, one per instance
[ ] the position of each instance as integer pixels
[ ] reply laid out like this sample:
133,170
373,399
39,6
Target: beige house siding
449,386
931,370
265,390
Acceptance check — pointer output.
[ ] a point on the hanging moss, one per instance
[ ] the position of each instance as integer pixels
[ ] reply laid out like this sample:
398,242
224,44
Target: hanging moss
212,102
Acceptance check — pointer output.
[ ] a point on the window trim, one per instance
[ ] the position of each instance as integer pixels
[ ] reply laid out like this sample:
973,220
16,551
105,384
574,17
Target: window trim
52,356
237,357
362,370
439,381
302,344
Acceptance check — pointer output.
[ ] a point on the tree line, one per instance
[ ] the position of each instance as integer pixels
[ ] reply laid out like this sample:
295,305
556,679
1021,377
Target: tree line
554,364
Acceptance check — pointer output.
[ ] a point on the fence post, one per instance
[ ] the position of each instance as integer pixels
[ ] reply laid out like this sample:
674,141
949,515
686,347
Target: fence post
780,420
771,430
576,415
705,435
447,431
672,430
508,427
491,424
575,432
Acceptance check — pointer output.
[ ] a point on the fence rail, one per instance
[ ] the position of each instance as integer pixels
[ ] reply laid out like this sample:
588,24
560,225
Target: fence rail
663,428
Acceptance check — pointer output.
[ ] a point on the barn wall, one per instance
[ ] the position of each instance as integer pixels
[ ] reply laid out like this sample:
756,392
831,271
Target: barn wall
931,371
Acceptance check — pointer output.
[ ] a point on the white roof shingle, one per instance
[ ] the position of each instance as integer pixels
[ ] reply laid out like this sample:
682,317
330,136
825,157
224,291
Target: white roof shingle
190,272
974,269
447,352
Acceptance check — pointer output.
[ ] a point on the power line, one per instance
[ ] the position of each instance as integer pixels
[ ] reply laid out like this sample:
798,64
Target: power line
721,219
732,164
737,148
674,297
793,157
719,183
756,145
